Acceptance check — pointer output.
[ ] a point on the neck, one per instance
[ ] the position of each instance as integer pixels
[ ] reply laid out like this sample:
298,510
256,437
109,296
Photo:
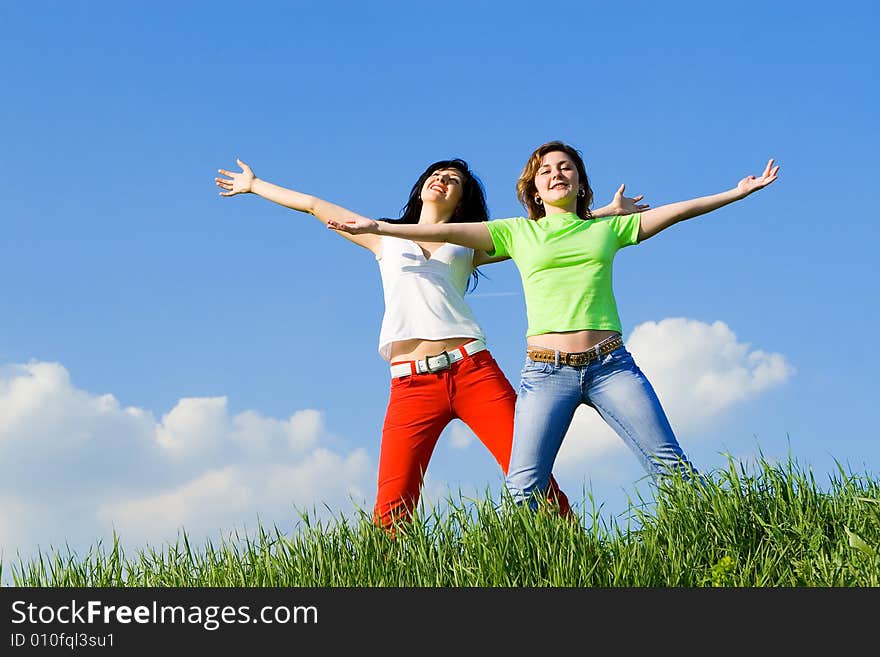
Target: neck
432,214
553,209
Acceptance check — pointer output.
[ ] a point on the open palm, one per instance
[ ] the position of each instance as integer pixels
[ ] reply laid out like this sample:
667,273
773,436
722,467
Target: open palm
751,184
236,183
623,205
354,226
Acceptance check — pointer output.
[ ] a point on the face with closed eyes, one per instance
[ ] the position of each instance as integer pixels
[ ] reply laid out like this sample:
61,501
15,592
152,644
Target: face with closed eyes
444,188
557,182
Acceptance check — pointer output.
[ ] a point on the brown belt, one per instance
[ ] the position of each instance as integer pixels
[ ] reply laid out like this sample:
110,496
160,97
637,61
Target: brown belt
578,358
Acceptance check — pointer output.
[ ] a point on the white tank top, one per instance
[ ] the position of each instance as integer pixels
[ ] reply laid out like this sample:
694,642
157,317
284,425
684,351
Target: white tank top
424,297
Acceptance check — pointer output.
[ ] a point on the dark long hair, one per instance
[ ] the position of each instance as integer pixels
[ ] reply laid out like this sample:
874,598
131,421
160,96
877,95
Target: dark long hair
471,208
526,189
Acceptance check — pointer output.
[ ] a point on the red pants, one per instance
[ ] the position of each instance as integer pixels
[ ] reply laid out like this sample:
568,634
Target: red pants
474,390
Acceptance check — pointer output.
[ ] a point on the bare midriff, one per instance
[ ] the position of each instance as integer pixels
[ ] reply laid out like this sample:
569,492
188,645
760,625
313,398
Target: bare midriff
418,349
571,341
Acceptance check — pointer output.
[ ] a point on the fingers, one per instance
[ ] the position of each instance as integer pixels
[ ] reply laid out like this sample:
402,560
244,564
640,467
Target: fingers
228,184
638,198
621,188
770,177
344,227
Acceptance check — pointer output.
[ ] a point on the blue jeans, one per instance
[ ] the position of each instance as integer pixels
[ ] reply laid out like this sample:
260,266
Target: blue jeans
615,386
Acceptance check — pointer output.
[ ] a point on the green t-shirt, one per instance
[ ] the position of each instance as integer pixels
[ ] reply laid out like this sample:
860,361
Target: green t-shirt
565,265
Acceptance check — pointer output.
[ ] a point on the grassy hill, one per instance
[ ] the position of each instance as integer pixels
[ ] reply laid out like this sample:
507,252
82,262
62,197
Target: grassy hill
771,527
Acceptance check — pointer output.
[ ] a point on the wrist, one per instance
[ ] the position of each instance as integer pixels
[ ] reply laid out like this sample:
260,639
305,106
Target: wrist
740,194
601,212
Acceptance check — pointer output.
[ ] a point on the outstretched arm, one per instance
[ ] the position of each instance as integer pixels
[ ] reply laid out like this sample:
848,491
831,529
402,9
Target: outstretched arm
474,235
658,219
246,182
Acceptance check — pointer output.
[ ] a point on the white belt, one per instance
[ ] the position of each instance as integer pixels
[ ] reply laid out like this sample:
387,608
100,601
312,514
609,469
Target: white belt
437,362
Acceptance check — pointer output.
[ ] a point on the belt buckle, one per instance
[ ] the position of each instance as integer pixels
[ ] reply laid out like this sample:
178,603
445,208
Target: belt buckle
442,366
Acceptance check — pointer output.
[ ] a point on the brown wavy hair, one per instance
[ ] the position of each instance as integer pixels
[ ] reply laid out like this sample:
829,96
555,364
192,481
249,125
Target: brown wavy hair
526,189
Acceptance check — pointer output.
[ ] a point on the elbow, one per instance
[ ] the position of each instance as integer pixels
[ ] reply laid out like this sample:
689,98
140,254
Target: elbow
311,205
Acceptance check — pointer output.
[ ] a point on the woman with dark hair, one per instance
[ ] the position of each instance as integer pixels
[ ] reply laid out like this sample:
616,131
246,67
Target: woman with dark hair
575,353
441,368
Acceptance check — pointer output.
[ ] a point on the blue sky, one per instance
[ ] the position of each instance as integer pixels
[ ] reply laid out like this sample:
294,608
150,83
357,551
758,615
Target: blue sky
170,358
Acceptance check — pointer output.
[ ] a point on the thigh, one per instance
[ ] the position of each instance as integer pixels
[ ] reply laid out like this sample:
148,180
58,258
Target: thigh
484,400
417,412
547,399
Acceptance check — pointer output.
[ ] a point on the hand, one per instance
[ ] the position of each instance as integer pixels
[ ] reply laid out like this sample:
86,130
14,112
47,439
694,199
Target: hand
751,184
237,183
623,205
354,226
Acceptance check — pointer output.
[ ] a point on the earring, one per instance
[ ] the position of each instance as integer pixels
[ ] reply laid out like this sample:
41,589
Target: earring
538,201
582,192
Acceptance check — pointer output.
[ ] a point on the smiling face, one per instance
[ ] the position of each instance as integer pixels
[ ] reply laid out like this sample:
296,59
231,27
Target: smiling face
557,182
554,180
444,188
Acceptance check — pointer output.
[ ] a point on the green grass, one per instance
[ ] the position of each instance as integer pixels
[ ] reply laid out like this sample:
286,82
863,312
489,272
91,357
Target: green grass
773,527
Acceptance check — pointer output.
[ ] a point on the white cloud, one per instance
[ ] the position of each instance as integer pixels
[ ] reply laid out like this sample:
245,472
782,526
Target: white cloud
13,522
77,466
699,371
459,434
339,478
43,416
193,426
235,497
208,499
